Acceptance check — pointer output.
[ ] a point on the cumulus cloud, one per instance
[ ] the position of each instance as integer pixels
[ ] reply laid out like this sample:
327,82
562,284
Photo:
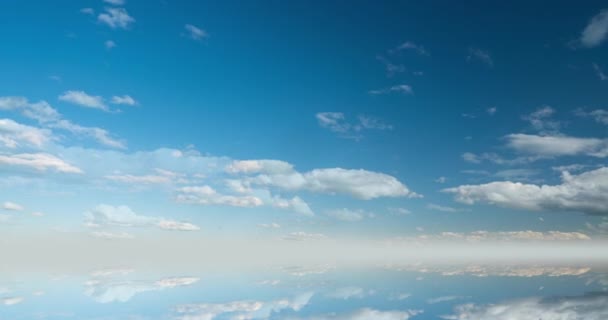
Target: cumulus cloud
195,33
116,18
586,192
592,306
559,145
122,216
596,30
83,99
243,309
39,161
361,184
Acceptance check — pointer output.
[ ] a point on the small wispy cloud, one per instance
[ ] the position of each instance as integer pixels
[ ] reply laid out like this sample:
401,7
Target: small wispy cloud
83,99
408,45
401,88
115,2
109,44
476,54
124,100
436,207
599,72
337,122
87,11
195,33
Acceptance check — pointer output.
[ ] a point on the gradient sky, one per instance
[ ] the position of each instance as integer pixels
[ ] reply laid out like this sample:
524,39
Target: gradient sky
301,120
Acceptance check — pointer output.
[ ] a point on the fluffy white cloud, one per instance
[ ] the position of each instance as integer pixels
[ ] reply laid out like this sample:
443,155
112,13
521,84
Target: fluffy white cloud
195,32
83,99
126,100
360,183
100,135
555,146
13,134
244,309
116,18
39,161
596,31
11,206
593,306
586,192
122,216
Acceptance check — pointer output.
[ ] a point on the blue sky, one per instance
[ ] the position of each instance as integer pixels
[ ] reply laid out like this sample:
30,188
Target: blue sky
304,120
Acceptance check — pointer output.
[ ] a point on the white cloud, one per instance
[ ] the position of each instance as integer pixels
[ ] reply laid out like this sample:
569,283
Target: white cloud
559,145
436,207
441,180
9,301
596,31
399,211
126,100
336,122
122,216
599,115
49,117
195,32
443,299
491,111
244,309
13,134
361,184
480,55
367,314
585,193
87,11
541,121
83,99
160,177
295,204
11,206
593,306
108,291
304,236
347,214
346,293
116,18
401,88
272,225
109,44
39,161
206,195
115,2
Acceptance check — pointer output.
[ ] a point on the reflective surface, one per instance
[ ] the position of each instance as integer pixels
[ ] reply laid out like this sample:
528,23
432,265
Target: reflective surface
391,291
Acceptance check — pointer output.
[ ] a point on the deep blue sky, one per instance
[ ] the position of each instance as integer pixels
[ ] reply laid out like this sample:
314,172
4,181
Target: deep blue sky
256,84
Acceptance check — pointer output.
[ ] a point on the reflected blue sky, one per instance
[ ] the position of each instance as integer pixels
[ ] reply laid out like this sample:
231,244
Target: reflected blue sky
414,291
